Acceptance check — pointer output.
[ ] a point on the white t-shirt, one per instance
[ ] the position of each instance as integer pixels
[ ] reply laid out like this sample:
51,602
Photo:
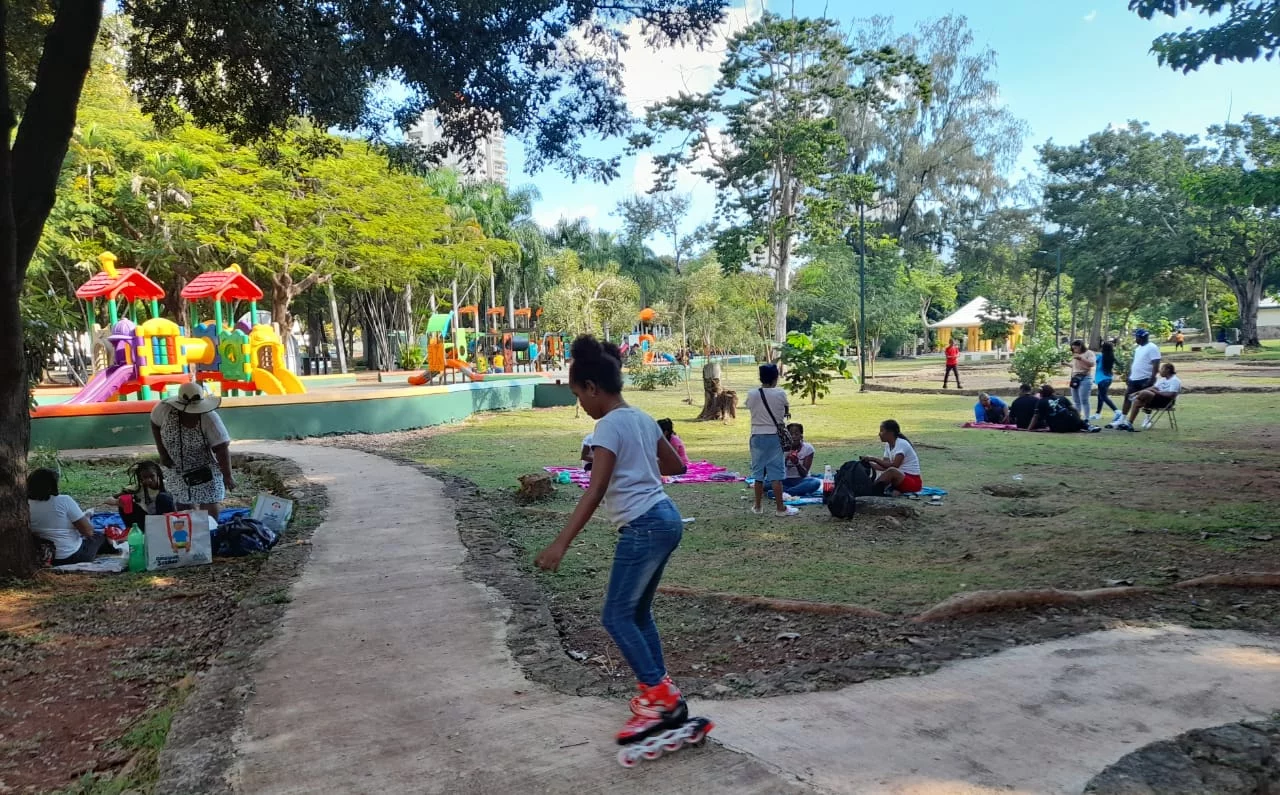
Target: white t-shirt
636,484
760,420
53,520
210,423
1171,384
804,452
1144,357
910,461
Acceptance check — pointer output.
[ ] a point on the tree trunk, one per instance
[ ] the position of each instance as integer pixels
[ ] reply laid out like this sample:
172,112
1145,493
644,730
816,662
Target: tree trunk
1074,303
1248,292
718,403
28,185
1204,308
1095,329
338,339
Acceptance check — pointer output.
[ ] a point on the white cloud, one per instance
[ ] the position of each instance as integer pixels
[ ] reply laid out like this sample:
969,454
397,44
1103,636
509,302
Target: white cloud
546,215
1091,16
651,75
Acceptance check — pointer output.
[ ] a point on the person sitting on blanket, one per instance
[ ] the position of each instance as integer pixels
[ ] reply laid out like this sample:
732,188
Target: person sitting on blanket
57,519
1056,413
1023,410
669,431
1154,398
146,498
588,454
900,467
799,461
990,408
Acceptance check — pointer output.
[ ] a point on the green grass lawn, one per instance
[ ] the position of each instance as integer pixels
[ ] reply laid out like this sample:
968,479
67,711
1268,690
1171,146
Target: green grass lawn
1150,507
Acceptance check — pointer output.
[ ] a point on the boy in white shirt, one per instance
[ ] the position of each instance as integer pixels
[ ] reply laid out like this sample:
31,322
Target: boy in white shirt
1154,398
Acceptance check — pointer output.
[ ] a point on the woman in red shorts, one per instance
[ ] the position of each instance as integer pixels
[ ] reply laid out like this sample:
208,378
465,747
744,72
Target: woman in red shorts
900,468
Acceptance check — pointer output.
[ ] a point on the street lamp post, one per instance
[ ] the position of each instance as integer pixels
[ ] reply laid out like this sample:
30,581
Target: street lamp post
1057,300
862,298
1057,303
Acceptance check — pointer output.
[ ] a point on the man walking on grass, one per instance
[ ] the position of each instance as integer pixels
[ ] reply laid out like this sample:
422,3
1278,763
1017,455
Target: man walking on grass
953,361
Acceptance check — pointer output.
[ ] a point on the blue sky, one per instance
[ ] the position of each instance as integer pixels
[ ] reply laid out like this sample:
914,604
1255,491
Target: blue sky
1068,69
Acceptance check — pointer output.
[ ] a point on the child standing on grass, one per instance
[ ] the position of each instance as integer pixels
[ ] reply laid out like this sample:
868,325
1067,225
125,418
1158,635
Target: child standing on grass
630,456
669,431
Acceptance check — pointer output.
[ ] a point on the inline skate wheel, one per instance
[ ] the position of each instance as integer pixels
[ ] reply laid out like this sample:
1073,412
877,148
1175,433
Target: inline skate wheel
625,759
654,754
673,745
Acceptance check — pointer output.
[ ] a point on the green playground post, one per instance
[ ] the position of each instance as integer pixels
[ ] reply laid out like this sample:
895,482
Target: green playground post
253,313
217,315
133,312
113,313
155,308
91,319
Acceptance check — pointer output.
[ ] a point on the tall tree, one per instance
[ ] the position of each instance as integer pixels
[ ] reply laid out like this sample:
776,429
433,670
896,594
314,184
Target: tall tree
662,213
546,69
938,157
1250,31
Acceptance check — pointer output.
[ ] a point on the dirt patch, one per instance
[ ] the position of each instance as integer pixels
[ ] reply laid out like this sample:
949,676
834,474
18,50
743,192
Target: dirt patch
1236,759
91,667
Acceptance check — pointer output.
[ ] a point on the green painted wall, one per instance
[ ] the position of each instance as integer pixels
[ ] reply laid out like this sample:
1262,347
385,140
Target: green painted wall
549,395
299,420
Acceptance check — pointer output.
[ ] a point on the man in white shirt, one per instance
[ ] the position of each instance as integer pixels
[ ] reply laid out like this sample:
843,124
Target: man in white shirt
1145,367
1154,398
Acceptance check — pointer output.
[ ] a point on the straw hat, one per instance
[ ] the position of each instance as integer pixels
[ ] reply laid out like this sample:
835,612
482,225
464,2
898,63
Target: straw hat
192,399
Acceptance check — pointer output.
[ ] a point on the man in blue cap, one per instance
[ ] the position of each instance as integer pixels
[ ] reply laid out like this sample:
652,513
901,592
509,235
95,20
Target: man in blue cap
1142,373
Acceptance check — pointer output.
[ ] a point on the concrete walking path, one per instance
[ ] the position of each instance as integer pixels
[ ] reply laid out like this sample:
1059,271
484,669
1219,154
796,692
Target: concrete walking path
390,673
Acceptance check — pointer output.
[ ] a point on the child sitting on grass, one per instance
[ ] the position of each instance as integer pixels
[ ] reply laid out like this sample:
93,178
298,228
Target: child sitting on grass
669,431
799,460
146,497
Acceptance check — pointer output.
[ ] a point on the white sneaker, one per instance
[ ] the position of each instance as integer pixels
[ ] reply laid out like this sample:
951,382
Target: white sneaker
1094,417
1146,426
789,511
1118,417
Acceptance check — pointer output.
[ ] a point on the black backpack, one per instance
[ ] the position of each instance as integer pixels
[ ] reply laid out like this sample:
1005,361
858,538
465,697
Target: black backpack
854,479
1063,418
243,536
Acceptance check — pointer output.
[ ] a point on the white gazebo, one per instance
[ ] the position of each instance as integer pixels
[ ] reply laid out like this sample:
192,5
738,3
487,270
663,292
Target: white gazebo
969,317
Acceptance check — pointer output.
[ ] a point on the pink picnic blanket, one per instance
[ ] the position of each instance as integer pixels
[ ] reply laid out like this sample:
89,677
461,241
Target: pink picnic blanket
995,426
699,472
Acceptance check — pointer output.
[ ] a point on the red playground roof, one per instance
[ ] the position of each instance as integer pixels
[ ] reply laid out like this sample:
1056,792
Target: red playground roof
125,282
221,285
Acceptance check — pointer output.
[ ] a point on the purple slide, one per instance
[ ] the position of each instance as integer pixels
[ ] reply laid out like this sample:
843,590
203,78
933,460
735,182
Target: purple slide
103,385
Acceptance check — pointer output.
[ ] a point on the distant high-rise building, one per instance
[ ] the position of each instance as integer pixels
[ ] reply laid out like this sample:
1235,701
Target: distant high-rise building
488,164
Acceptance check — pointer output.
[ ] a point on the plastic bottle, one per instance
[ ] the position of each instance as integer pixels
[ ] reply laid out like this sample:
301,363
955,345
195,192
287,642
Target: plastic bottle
137,549
828,480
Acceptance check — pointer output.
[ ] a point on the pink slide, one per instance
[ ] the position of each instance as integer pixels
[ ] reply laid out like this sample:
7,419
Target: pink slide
103,386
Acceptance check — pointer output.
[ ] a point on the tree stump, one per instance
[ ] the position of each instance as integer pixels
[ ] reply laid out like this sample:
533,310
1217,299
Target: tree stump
535,487
718,403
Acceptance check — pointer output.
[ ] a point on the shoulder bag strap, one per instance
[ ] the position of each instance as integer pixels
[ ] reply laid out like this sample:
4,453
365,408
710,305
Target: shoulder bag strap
764,401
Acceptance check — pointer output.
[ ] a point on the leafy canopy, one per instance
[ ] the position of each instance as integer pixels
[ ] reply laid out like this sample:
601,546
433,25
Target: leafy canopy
1251,30
545,69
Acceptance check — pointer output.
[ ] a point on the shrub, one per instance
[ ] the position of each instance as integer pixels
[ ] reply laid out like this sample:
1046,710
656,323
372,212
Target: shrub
812,365
647,377
411,357
1037,360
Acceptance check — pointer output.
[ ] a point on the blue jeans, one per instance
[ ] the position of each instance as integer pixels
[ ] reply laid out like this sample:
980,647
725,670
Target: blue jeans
644,545
1080,394
797,487
768,462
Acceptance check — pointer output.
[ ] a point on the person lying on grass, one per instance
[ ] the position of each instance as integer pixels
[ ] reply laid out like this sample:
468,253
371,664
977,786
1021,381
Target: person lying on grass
990,408
900,467
1056,413
631,456
799,461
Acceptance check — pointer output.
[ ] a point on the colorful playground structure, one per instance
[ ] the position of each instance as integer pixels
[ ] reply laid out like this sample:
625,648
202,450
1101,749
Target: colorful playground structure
644,338
143,358
453,348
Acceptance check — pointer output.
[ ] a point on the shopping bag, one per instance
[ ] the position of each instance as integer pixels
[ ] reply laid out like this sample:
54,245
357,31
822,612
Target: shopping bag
274,512
175,540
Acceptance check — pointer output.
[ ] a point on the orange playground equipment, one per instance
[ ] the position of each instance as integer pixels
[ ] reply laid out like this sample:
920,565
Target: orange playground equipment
444,357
